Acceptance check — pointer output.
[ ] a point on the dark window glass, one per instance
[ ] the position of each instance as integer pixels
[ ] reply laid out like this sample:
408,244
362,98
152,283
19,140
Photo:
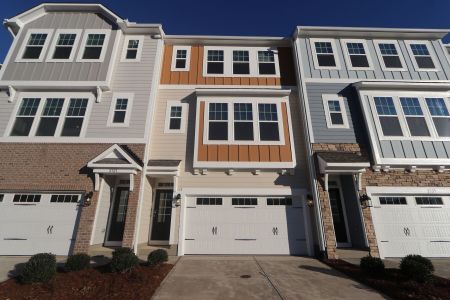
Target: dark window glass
64,46
131,53
49,121
326,60
218,122
22,126
119,116
425,62
62,53
218,131
26,198
180,64
269,131
442,126
32,52
94,45
92,53
391,126
47,126
209,201
215,62
393,201
417,126
359,61
279,201
72,127
34,46
336,119
267,69
241,64
243,131
1,197
440,115
64,199
392,62
75,116
175,124
244,201
429,201
215,68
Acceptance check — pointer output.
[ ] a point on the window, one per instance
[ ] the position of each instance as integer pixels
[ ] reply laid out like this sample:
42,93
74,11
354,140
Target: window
389,54
94,44
64,198
176,112
268,122
209,201
1,197
64,45
181,58
215,62
50,117
335,113
429,201
34,45
279,201
266,63
440,115
132,48
26,198
243,122
241,62
324,54
414,117
393,201
388,117
175,117
75,117
357,56
218,122
421,56
120,111
25,117
244,201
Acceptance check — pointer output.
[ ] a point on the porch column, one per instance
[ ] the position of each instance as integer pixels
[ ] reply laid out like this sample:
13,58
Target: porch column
368,227
327,219
85,225
130,219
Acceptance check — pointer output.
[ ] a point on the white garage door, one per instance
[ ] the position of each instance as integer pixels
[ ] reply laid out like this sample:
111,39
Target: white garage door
34,223
412,225
252,225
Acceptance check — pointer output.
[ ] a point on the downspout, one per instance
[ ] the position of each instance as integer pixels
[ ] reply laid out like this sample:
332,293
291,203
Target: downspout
309,152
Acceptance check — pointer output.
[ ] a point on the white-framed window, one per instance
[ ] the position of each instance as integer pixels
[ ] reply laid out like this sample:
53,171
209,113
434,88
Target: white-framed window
439,112
64,45
181,58
50,115
34,45
415,119
357,55
132,48
120,110
325,54
422,55
429,200
335,111
390,55
231,61
388,116
94,45
176,117
243,121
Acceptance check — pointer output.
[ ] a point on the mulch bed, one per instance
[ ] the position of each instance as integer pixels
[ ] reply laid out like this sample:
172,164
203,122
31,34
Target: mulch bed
96,283
394,284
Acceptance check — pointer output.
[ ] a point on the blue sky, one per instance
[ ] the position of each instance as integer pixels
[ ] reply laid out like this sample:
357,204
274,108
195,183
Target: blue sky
262,17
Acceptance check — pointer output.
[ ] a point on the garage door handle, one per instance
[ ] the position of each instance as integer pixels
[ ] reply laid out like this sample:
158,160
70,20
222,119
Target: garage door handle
50,229
275,230
406,231
214,230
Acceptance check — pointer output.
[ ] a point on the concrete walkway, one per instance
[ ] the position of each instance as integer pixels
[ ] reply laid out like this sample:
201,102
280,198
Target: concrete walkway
260,277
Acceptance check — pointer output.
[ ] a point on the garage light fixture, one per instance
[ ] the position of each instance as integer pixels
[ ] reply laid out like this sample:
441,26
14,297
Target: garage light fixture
365,200
87,198
309,200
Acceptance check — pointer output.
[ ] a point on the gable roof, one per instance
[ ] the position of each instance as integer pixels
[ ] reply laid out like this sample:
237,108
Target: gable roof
115,156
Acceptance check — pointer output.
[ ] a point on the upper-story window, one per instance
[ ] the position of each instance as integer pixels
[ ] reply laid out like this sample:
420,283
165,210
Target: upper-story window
357,57
132,50
181,57
218,122
241,62
64,45
215,64
388,117
266,62
243,122
50,116
34,45
390,55
335,113
422,58
120,111
415,119
176,115
324,54
439,113
268,122
95,42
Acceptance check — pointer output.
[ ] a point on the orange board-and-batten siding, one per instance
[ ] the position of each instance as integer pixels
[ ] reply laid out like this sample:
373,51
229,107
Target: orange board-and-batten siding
195,73
244,153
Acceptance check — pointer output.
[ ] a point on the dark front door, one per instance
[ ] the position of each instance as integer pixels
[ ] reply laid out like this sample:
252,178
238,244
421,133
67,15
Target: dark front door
338,216
162,213
118,215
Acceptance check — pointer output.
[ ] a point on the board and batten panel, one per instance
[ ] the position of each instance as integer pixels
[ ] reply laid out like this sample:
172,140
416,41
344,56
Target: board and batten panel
306,57
128,77
62,71
6,109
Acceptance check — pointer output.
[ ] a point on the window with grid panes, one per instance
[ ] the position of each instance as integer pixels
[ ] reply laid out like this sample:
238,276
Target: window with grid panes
25,117
266,63
390,56
120,110
64,46
357,53
215,62
175,117
74,117
268,122
35,45
132,49
50,117
218,122
241,62
439,113
94,45
325,55
388,117
422,56
414,116
243,122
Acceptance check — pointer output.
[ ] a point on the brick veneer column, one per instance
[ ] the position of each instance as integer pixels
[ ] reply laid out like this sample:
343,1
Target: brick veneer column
327,219
85,225
130,220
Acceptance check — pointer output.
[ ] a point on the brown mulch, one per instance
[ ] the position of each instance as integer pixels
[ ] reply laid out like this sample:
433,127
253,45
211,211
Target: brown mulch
140,283
394,284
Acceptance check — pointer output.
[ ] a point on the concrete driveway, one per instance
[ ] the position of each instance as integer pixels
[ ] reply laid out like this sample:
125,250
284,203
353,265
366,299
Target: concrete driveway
259,277
9,265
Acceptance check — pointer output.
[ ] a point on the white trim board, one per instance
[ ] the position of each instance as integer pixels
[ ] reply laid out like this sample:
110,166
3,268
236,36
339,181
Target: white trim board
281,191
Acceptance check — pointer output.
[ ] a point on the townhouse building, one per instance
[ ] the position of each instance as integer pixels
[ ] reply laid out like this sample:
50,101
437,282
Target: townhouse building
376,105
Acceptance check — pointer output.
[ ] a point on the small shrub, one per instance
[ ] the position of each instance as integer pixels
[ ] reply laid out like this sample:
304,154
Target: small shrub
39,268
157,257
78,262
123,260
372,265
417,268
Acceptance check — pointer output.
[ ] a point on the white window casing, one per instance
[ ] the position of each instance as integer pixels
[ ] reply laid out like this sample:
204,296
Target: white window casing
399,54
21,52
314,54
432,55
126,47
55,40
113,109
347,55
175,58
183,118
326,98
228,61
104,46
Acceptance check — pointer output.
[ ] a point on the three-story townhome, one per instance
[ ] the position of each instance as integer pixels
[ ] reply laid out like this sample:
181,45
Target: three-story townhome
77,92
377,111
227,144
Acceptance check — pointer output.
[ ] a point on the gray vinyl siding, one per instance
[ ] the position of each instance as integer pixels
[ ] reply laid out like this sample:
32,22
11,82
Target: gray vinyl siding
128,77
62,71
377,73
323,134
